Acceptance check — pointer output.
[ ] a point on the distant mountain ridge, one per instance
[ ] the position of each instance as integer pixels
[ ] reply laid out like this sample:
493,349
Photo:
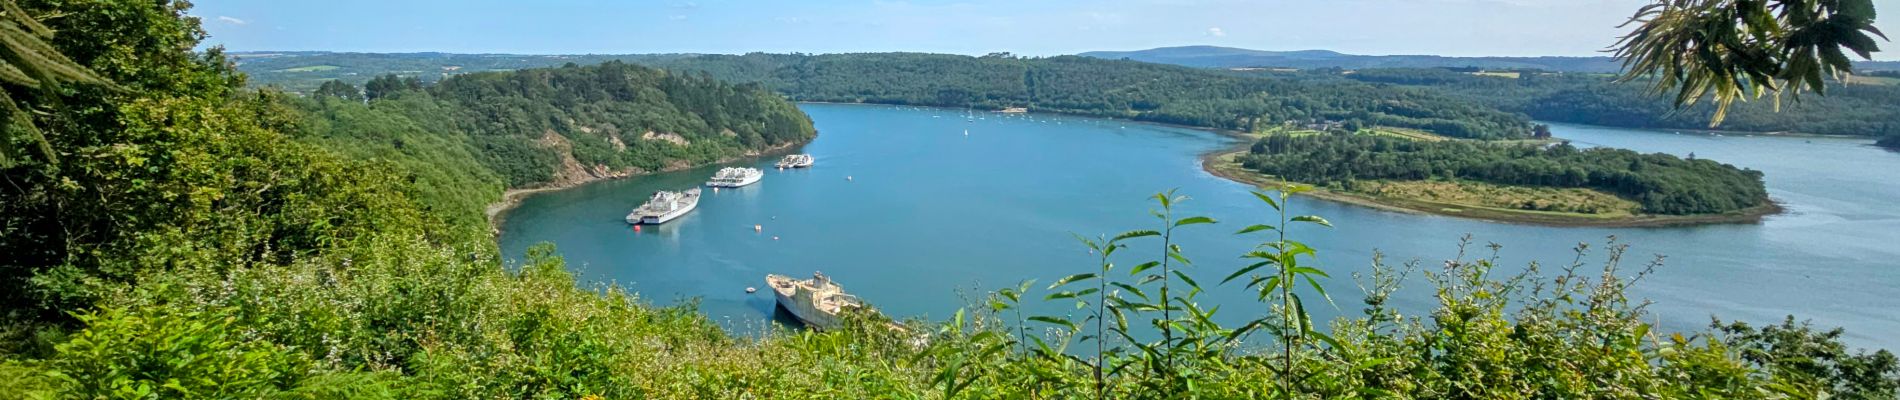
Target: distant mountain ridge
1230,57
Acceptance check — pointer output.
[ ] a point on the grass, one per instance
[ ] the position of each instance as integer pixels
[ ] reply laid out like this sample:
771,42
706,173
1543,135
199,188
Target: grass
312,68
1404,133
1512,75
1463,202
1467,194
1873,80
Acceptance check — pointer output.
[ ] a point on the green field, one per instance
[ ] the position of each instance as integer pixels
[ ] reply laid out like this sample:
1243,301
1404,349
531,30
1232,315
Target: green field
1873,80
1404,133
313,68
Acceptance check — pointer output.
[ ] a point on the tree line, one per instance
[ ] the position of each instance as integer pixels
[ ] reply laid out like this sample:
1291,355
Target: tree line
1853,109
614,115
1105,88
1662,183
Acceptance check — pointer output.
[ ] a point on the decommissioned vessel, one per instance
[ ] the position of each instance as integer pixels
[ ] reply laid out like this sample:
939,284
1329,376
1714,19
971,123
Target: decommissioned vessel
664,206
795,161
732,177
818,302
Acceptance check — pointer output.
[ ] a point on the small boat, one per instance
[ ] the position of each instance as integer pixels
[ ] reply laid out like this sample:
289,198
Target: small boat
732,177
664,206
795,161
818,302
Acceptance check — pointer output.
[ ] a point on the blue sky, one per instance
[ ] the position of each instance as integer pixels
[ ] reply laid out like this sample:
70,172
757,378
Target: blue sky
1028,27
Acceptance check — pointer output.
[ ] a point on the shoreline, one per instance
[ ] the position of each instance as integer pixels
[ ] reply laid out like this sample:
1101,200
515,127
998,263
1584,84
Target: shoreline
1217,163
497,211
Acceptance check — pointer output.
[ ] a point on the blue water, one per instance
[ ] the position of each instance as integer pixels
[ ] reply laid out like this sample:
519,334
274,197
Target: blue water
930,219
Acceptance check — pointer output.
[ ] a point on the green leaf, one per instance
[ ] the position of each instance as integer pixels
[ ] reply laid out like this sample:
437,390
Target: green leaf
1071,278
1318,288
1193,221
1243,271
1143,267
1312,219
1054,321
1254,228
1134,234
1131,289
1267,198
1184,278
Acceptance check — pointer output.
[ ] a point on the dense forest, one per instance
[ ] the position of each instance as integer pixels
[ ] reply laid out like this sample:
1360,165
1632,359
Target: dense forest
186,237
1322,92
1089,86
609,117
304,71
1073,85
1662,183
1859,109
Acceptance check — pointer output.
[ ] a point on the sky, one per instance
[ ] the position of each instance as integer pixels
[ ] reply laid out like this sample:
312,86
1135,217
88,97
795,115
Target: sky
1023,27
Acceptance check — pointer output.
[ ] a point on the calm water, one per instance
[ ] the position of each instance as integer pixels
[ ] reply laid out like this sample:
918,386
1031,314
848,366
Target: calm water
930,216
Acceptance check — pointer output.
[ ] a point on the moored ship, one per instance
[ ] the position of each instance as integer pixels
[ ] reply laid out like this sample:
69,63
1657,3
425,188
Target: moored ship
732,177
664,206
818,302
795,161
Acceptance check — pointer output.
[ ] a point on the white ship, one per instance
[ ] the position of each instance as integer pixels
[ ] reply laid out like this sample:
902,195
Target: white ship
664,206
732,177
795,161
818,302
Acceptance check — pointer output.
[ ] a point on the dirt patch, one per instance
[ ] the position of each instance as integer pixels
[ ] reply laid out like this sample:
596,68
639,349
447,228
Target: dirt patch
668,137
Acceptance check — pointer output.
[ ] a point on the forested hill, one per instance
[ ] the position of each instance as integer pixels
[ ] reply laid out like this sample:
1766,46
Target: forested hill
1074,85
1864,107
1229,57
471,135
1107,88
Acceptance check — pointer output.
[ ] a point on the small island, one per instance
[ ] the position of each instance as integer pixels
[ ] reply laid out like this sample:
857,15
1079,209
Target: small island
1526,181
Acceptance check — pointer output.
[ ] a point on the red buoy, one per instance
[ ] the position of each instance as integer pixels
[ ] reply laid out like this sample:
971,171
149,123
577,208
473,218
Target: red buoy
636,228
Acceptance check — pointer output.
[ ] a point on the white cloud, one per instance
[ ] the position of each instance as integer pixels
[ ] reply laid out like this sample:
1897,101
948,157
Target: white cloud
232,21
1216,32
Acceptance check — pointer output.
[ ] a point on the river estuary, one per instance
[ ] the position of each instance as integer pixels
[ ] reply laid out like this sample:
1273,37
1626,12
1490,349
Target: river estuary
915,216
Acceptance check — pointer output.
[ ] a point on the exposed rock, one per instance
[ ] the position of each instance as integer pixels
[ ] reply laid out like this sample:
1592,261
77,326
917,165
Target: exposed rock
673,138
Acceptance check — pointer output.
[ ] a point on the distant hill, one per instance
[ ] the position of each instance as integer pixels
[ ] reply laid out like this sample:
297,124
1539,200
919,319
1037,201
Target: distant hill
303,70
1229,57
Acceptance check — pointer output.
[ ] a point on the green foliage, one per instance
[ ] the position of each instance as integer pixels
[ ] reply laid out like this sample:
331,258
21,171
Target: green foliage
340,90
28,63
1813,362
386,85
613,116
1849,109
1891,142
1663,184
161,353
1090,86
1730,50
202,242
